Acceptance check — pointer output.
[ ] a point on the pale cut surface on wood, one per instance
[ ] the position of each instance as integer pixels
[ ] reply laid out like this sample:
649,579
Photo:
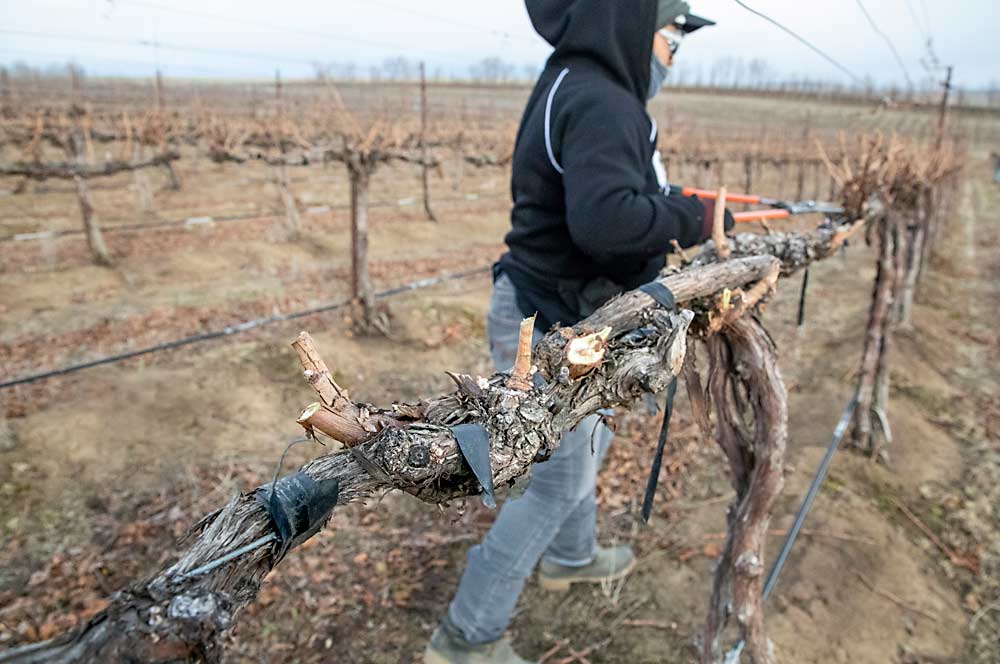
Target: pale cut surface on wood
719,226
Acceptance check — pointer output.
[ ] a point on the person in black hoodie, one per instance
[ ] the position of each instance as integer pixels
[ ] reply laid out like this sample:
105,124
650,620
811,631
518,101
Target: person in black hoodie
590,219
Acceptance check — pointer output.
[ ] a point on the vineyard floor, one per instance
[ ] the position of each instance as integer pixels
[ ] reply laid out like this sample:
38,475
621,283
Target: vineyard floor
102,470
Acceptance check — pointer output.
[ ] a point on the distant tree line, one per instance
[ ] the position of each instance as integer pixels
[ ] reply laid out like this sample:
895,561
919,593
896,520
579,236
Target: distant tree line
729,73
399,68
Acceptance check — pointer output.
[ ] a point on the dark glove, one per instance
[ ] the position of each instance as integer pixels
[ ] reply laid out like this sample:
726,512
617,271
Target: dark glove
708,218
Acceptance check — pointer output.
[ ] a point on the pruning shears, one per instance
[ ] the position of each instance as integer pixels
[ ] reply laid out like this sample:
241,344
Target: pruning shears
778,209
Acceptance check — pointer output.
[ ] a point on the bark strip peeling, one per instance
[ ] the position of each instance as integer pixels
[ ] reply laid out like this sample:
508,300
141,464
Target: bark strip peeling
751,407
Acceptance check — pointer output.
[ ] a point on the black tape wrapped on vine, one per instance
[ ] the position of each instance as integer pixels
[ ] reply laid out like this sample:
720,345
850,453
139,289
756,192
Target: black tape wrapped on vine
474,443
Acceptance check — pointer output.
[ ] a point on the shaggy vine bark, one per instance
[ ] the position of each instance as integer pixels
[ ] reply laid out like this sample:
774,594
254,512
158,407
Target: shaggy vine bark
751,407
795,250
172,617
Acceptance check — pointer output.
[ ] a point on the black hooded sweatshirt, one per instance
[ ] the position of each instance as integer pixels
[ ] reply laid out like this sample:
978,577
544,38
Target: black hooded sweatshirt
589,217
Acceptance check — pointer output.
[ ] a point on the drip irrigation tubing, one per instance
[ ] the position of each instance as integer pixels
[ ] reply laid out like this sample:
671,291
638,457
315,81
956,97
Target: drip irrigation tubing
246,216
230,330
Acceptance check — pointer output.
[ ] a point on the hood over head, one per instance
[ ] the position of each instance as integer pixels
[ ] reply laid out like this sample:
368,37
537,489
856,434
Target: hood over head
616,34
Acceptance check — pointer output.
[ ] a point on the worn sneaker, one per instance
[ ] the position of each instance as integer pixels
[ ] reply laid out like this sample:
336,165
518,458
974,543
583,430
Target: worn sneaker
609,564
446,648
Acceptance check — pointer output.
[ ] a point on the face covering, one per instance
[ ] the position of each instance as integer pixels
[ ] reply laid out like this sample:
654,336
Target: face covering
657,75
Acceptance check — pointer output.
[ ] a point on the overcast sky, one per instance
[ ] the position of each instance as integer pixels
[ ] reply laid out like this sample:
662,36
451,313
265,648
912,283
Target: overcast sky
250,38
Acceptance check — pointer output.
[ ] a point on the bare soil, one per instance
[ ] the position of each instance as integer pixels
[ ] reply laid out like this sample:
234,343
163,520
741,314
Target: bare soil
103,470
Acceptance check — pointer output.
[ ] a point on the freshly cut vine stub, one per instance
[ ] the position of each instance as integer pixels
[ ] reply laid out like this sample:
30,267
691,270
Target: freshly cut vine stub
586,352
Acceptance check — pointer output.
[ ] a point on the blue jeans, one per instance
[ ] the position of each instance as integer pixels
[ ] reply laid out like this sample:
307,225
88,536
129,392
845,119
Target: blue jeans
555,517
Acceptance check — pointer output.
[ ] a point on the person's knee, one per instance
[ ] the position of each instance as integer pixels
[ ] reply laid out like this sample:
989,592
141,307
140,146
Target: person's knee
507,559
570,474
512,547
560,492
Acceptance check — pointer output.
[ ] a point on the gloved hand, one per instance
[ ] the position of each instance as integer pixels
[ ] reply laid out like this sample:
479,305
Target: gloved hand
708,218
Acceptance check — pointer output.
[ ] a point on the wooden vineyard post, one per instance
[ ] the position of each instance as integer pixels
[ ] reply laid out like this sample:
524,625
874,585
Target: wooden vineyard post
143,190
457,179
874,373
174,181
293,219
95,239
748,173
5,95
424,156
361,285
916,238
929,215
931,206
76,83
782,176
943,112
880,396
932,201
159,91
800,179
359,169
172,177
293,216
